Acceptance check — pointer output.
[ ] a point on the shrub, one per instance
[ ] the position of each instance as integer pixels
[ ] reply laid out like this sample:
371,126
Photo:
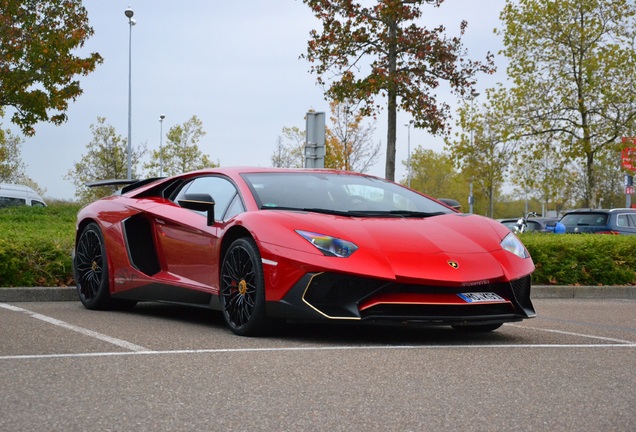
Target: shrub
585,259
36,245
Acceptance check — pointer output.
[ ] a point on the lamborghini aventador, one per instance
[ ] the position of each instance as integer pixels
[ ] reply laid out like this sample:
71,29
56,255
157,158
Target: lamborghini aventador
268,245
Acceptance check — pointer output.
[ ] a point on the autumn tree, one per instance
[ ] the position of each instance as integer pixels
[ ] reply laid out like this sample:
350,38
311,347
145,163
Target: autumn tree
106,159
290,147
181,152
572,67
38,64
434,174
349,142
379,50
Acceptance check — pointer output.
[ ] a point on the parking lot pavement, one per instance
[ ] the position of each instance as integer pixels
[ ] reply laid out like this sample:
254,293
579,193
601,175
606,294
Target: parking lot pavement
163,367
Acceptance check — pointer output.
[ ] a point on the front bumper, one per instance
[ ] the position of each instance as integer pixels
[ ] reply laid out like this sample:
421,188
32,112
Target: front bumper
330,296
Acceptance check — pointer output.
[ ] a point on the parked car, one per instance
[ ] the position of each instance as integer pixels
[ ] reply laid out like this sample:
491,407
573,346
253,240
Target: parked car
600,221
14,194
539,224
265,244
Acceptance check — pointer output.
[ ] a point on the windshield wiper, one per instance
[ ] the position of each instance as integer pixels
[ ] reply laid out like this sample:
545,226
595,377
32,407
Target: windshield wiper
416,214
359,213
305,209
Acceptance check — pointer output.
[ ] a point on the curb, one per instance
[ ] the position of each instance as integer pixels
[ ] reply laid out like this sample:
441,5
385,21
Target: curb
48,294
583,292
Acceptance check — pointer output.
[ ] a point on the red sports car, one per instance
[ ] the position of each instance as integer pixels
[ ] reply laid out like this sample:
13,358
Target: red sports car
265,245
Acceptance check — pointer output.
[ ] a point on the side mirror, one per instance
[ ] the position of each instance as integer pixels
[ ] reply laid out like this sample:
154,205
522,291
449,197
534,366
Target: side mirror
199,202
450,202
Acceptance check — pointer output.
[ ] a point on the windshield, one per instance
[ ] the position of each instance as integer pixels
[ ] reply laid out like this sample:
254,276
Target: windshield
338,193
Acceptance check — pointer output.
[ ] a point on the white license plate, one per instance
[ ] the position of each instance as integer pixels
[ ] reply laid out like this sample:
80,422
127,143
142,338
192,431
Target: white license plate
476,297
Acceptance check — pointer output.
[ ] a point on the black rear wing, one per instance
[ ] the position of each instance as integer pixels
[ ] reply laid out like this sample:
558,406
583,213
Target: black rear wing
128,185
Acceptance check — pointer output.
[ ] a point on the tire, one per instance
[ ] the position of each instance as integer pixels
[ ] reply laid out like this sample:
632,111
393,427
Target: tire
90,268
242,290
477,328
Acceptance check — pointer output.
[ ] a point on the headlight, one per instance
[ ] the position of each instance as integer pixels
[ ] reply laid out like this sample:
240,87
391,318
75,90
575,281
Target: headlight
512,244
330,246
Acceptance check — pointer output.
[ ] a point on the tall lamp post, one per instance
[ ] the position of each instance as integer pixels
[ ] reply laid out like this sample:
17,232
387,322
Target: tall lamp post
161,117
408,155
131,22
471,198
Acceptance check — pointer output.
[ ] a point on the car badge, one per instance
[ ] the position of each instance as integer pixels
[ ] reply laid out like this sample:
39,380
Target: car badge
453,264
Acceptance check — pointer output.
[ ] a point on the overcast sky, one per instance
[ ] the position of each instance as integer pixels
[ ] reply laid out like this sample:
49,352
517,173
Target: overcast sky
233,64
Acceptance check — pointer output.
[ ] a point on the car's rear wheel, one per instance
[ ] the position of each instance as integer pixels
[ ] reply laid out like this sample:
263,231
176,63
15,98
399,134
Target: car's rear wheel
90,267
477,328
243,289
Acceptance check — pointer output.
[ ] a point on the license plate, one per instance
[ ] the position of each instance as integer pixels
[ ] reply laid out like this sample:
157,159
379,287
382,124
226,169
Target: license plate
476,297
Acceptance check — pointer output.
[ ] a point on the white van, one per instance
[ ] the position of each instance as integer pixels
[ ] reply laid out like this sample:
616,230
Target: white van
12,194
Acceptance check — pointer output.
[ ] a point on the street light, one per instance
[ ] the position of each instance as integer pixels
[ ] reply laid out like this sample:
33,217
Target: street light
408,156
131,22
161,117
471,198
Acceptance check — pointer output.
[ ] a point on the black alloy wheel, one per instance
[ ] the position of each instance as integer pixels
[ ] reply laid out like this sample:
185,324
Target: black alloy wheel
243,289
90,267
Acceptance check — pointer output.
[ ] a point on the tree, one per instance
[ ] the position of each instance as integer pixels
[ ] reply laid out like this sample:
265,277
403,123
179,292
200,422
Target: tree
37,64
106,159
541,174
609,180
11,166
290,149
434,174
180,153
380,50
483,149
573,67
349,143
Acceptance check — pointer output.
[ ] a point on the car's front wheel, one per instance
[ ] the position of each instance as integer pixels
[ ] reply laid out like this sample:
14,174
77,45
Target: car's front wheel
243,289
90,267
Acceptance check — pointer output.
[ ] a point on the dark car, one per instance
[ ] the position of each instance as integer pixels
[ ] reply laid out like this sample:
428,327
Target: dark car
600,221
532,224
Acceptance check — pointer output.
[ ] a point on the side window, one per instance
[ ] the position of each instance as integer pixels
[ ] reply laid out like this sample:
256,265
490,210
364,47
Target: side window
236,207
226,200
10,201
622,220
632,220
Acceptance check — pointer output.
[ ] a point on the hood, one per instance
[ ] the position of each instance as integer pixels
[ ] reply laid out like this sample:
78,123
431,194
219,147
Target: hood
454,248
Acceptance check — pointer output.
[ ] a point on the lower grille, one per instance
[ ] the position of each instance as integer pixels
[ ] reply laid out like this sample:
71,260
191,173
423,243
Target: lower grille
436,311
341,296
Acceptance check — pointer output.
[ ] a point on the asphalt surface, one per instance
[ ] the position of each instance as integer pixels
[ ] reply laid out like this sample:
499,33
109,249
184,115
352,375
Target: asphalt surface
44,294
162,367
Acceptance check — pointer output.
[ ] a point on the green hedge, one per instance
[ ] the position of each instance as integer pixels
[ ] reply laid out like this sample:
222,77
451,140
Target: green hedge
36,245
585,259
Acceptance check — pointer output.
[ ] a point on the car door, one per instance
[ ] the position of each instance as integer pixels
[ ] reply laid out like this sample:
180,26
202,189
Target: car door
626,223
188,246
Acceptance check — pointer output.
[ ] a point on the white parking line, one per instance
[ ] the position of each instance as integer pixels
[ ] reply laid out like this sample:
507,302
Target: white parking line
620,341
84,331
140,350
331,348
